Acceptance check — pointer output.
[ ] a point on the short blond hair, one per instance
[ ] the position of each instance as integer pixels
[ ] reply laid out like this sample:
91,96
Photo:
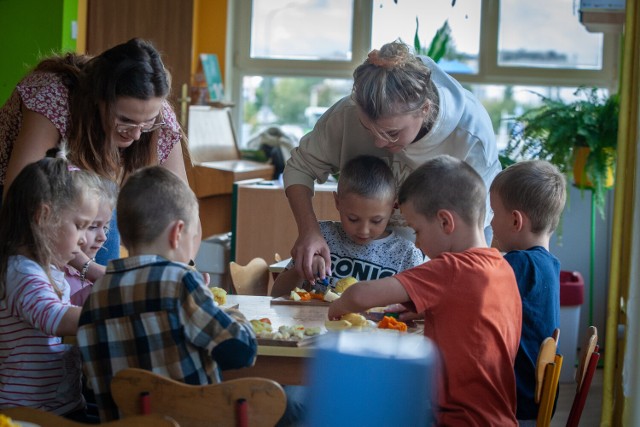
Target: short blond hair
535,187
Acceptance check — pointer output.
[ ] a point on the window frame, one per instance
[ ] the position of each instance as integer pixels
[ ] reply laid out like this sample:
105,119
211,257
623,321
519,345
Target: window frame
240,64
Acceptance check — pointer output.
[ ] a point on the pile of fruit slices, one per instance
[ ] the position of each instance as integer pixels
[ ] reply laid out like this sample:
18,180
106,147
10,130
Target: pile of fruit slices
329,295
264,329
354,321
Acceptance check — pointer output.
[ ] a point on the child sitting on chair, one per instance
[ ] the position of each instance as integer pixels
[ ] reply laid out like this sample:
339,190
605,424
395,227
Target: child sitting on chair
527,200
361,245
151,310
43,222
467,292
95,238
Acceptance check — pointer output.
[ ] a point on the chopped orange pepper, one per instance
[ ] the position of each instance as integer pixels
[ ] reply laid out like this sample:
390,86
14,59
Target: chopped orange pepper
315,295
389,322
304,296
265,320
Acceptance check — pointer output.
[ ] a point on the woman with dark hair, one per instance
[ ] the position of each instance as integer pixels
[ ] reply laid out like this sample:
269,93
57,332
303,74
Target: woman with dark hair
112,110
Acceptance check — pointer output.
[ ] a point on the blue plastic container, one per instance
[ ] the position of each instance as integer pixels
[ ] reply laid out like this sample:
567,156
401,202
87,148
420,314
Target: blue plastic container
371,379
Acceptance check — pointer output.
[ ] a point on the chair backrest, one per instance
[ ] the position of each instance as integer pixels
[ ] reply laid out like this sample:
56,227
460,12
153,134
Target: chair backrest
546,355
263,400
45,419
589,358
250,279
548,366
590,344
549,391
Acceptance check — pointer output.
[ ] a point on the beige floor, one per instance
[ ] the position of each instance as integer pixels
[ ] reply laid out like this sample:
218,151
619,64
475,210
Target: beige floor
592,409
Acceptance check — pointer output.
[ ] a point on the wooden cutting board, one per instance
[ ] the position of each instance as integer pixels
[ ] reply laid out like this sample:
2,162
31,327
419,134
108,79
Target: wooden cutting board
285,300
289,343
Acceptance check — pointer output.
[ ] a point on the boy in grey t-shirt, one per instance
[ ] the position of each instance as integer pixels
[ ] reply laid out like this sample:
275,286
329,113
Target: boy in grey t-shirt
361,244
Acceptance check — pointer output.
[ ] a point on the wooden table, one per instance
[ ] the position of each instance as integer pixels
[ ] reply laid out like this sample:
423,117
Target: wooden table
285,365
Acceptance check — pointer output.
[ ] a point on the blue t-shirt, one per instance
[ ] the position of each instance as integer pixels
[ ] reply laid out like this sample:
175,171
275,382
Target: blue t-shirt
538,275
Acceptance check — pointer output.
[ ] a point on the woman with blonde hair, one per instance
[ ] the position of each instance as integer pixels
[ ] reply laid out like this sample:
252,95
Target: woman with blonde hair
404,109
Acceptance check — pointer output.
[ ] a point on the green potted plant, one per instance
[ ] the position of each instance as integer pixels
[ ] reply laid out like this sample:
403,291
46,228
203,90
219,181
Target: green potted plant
579,137
439,45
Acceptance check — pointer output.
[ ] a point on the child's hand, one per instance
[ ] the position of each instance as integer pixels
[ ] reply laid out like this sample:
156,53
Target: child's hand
336,310
404,314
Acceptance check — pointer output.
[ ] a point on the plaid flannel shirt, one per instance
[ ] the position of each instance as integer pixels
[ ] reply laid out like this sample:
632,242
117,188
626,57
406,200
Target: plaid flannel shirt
151,313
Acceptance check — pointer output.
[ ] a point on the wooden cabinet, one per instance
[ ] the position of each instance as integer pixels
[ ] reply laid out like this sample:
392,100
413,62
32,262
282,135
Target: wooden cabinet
264,223
213,185
216,166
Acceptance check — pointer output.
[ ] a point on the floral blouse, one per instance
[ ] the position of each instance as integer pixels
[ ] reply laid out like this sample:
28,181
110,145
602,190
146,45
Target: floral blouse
46,94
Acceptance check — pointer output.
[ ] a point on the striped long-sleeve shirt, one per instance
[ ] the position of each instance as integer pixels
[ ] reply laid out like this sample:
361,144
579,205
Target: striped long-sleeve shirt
36,368
151,313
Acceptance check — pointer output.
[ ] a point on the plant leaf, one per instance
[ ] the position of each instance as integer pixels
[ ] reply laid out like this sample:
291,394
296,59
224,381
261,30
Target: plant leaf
440,42
416,39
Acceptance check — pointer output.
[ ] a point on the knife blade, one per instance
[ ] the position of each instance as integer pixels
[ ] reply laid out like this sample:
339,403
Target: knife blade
323,285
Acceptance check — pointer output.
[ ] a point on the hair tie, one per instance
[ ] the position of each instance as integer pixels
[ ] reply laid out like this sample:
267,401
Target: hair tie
389,63
62,155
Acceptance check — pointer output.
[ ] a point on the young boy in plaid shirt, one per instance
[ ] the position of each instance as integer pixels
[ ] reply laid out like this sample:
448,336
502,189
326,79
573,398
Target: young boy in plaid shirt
151,310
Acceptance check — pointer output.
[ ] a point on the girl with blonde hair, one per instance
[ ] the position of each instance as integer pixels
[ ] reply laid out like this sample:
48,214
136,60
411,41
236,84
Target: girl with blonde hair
43,221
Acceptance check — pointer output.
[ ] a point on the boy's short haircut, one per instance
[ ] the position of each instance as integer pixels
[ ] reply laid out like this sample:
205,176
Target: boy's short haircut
367,176
149,201
445,182
535,187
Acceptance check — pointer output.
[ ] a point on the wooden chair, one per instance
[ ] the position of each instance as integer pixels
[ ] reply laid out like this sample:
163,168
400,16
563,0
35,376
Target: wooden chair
589,358
263,400
548,368
250,279
47,419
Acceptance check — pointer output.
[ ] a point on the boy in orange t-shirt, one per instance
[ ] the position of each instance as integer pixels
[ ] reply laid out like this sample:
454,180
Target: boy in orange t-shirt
467,292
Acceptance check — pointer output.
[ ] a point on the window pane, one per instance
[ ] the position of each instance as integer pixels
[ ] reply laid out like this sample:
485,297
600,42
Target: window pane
546,34
292,103
391,21
302,29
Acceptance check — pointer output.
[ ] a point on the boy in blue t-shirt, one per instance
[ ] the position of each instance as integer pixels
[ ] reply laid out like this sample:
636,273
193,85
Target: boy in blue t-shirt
527,200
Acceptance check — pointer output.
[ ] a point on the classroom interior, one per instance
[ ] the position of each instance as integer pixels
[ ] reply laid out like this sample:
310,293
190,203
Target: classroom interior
245,214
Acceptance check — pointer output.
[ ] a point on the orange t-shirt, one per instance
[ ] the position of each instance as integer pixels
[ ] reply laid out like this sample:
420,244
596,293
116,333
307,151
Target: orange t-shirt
473,313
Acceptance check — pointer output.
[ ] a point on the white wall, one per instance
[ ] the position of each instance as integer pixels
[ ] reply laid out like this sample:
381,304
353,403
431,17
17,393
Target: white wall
573,251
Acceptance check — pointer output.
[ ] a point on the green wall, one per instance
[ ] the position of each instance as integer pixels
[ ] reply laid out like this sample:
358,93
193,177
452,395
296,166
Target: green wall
32,29
69,15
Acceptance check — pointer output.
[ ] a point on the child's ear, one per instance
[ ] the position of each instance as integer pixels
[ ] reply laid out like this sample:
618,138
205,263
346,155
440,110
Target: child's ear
42,214
175,232
517,220
446,221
